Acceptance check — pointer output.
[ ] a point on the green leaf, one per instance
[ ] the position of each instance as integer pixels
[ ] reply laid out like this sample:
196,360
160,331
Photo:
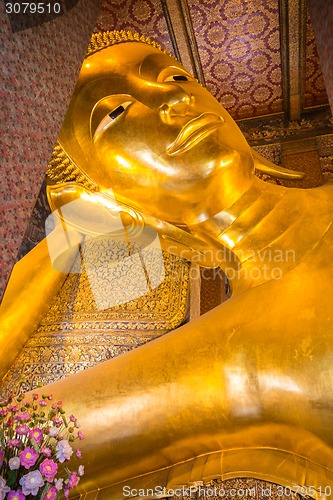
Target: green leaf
11,479
35,445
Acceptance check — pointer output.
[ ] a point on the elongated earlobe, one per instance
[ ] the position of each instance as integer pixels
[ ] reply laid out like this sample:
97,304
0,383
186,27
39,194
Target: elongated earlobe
267,167
59,195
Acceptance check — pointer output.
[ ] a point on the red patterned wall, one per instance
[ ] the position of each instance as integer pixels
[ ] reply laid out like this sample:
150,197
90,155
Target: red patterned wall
39,70
239,47
314,92
141,16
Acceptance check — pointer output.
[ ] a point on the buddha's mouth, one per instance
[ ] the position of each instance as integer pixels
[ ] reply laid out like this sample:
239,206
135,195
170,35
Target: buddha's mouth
193,132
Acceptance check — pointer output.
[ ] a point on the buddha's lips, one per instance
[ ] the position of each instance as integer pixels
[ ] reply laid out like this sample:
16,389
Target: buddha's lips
193,132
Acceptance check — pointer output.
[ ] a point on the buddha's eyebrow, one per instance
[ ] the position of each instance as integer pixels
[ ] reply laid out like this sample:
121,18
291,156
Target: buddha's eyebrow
152,64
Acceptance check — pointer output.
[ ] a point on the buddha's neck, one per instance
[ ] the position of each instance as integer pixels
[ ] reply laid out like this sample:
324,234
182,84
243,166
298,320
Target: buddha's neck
270,229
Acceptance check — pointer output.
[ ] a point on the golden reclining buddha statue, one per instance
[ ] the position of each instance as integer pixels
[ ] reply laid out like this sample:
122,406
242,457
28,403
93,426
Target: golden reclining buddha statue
245,390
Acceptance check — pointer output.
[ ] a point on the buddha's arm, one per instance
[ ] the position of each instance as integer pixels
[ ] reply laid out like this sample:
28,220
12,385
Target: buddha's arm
30,290
254,374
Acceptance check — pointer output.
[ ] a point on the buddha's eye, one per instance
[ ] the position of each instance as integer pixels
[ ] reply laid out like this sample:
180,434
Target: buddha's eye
116,112
111,117
177,78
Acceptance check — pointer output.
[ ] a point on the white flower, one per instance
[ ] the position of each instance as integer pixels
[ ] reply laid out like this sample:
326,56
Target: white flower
53,431
80,470
64,450
59,483
14,463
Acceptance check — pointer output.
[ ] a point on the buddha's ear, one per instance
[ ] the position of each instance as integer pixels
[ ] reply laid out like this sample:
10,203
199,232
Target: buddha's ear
267,167
59,195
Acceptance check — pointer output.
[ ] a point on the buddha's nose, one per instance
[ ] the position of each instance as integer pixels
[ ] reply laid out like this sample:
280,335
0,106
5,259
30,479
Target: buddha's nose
176,103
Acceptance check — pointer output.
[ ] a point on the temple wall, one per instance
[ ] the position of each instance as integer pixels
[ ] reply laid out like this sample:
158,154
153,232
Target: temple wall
39,70
321,12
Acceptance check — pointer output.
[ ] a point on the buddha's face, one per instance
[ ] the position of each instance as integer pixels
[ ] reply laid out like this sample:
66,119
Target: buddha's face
140,124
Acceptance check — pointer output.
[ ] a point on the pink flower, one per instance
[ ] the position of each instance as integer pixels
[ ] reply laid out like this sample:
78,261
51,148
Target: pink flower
49,469
16,495
78,453
23,416
28,457
57,421
14,409
64,450
73,480
35,396
14,443
36,434
51,494
9,422
80,435
2,454
46,451
14,463
72,418
3,413
22,430
42,403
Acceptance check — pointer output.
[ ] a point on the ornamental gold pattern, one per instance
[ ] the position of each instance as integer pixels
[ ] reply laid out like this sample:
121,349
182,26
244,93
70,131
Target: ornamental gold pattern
75,334
62,169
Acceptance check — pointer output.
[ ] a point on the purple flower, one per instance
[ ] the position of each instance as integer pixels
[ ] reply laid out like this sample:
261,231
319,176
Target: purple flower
15,495
80,435
23,416
14,463
28,457
3,413
36,434
78,453
31,482
14,443
64,451
51,494
49,469
46,451
22,430
53,431
59,484
3,488
73,480
72,418
2,454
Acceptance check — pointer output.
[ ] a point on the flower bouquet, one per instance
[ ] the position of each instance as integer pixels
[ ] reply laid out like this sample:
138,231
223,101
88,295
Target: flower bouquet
35,448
